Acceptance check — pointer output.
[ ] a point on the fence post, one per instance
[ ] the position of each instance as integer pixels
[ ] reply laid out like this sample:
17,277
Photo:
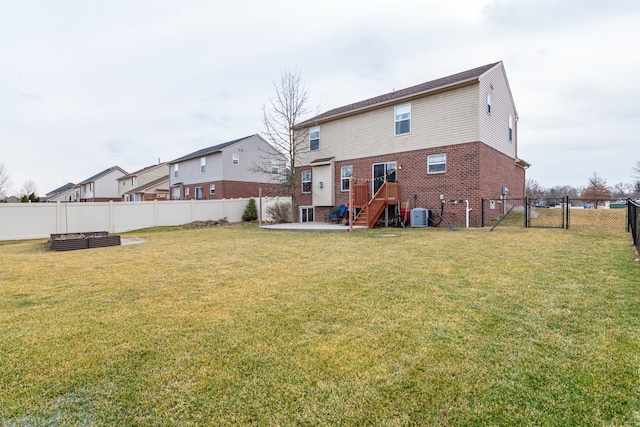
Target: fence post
526,212
568,208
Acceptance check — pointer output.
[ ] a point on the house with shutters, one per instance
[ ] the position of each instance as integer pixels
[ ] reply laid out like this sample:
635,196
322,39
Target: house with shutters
233,169
443,145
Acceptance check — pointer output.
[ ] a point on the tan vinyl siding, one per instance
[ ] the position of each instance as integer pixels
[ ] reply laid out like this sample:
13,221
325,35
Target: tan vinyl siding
442,119
322,196
494,127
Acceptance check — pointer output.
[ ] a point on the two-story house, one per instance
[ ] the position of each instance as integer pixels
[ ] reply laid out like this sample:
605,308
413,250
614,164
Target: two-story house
433,145
149,183
101,187
232,169
61,194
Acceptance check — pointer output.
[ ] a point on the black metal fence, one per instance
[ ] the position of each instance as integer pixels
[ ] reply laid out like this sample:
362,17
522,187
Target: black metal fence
633,222
562,212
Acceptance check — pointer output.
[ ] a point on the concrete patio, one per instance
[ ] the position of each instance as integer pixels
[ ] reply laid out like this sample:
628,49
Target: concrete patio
312,226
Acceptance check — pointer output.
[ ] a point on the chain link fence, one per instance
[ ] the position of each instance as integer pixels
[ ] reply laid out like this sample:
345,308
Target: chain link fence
562,212
633,224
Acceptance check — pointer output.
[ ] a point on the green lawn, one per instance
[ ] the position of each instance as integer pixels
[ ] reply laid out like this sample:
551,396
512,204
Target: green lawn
237,326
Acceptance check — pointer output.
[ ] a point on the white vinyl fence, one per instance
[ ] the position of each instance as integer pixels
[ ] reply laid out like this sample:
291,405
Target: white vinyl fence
20,221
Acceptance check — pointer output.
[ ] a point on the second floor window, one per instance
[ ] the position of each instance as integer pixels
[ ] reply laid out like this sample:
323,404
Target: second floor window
275,166
403,119
510,128
176,170
203,164
314,138
306,181
235,159
488,103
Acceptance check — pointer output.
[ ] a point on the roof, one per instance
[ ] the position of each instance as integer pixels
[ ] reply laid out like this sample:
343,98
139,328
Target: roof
101,174
210,150
397,95
138,172
149,184
68,186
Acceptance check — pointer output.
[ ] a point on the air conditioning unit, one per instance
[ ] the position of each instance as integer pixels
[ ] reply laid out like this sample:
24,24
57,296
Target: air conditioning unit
419,217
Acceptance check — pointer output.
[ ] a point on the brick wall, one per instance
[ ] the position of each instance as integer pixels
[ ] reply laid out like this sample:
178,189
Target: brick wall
232,190
473,171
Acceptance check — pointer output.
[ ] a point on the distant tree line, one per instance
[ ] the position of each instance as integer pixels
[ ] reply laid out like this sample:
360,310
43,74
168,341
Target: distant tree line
596,188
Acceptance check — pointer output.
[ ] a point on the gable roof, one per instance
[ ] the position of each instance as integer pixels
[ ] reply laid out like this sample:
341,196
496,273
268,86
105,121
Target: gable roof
140,171
101,174
149,184
68,186
397,95
210,150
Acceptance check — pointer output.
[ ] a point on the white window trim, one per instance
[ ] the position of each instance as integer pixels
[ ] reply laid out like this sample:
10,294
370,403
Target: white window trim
434,163
510,128
203,164
212,189
186,192
176,170
396,121
235,159
488,102
344,178
275,166
201,193
304,182
312,130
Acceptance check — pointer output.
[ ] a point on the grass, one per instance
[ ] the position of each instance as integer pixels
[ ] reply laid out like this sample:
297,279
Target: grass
236,326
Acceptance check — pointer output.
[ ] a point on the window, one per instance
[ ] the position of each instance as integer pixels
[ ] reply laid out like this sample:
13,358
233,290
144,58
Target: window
186,192
437,163
314,138
198,193
403,119
235,159
510,128
488,103
203,164
345,173
133,180
175,170
306,181
275,166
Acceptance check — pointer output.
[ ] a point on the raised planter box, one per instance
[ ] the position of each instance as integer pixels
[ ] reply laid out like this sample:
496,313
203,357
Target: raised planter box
74,241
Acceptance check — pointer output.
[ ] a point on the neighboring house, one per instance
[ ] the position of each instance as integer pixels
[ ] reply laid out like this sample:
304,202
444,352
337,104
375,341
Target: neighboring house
150,183
61,194
450,139
225,171
101,187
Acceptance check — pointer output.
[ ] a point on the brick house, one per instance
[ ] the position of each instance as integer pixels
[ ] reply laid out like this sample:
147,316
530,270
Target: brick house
438,145
226,171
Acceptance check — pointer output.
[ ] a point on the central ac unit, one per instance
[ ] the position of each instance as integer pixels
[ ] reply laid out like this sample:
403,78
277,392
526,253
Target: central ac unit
419,217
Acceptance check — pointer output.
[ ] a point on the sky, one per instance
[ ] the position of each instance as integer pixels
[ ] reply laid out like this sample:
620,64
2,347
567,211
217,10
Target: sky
86,85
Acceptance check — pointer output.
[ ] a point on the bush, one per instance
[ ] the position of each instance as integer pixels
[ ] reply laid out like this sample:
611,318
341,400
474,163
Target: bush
250,212
280,212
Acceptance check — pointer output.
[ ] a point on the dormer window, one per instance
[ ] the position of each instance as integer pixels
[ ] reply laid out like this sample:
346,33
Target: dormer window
403,119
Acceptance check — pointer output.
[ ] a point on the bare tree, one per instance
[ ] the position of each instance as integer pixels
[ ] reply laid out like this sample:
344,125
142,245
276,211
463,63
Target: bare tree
636,172
5,182
597,188
534,190
280,117
29,187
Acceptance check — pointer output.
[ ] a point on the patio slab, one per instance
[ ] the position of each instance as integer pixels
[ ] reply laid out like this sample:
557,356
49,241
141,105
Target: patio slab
312,226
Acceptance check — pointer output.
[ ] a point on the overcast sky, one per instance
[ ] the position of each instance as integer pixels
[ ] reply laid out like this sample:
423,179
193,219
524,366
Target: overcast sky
85,85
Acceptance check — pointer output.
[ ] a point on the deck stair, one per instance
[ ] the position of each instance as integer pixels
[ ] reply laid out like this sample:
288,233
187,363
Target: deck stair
371,209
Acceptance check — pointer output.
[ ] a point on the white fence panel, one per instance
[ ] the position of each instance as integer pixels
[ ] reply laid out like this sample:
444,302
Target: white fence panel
39,220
